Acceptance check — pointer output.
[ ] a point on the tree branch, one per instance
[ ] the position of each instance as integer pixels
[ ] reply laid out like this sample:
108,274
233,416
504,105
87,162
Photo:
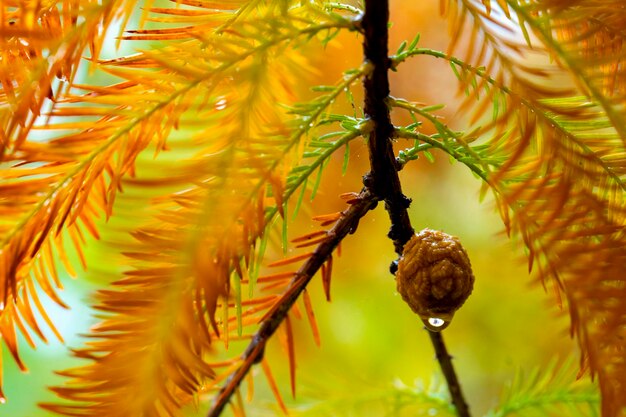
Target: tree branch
445,362
254,352
381,183
383,177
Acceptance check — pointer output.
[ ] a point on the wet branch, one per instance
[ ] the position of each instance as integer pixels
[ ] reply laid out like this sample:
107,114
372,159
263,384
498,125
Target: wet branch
254,352
383,178
445,362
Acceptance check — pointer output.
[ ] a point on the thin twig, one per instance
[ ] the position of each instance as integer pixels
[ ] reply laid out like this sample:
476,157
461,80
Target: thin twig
383,177
254,352
445,362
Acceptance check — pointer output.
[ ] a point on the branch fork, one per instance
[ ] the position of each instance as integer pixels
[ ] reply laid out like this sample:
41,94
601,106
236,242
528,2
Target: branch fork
381,183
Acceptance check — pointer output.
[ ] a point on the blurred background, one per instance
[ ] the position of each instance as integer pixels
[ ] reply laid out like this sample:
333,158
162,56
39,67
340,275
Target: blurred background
373,347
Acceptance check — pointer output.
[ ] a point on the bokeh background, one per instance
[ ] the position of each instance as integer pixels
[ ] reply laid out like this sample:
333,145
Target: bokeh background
374,348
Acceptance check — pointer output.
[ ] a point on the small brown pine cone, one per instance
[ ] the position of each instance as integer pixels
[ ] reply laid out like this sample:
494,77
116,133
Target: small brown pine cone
434,277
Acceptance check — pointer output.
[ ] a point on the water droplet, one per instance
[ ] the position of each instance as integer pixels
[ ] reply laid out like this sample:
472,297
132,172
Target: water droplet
436,321
3,400
220,104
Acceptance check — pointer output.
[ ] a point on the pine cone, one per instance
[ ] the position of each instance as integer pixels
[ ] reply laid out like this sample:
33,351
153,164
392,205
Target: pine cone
434,277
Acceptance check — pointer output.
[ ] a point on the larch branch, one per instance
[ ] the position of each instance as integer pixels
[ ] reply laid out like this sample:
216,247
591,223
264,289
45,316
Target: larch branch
381,183
445,362
383,178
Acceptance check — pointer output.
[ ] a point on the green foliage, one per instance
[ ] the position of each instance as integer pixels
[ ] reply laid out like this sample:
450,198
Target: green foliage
553,391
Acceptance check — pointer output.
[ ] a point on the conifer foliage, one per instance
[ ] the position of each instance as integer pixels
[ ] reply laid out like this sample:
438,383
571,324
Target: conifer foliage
206,134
